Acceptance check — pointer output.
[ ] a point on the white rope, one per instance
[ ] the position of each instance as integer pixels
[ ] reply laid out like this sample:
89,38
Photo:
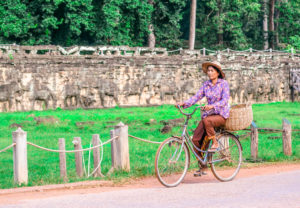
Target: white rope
144,140
89,161
99,161
258,50
241,50
70,151
6,148
175,50
284,51
209,50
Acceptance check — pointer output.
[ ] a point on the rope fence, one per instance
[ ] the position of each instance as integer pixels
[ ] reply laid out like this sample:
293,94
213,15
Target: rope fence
71,151
119,150
41,50
144,140
8,147
244,136
87,173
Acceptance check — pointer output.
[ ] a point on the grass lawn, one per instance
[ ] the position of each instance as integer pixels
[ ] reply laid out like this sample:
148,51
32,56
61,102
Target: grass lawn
44,166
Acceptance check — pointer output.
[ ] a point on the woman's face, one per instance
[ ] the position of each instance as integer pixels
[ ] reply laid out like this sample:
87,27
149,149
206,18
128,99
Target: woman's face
212,73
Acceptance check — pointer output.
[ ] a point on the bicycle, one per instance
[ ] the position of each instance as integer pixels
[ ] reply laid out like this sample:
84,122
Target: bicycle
172,158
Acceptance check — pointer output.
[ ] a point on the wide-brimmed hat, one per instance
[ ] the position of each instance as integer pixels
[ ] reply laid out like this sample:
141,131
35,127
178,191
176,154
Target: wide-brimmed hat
216,64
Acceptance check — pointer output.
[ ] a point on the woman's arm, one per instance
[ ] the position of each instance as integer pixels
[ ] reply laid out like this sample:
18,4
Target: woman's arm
199,95
224,96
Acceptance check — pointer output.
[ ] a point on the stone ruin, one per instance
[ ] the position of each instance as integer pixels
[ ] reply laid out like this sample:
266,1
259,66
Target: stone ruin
48,77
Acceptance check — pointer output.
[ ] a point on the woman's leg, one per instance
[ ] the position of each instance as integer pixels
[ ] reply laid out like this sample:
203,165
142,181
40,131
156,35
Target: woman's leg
210,123
200,141
198,136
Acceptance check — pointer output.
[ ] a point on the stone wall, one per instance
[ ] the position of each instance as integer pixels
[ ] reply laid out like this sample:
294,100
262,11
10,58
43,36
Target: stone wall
47,77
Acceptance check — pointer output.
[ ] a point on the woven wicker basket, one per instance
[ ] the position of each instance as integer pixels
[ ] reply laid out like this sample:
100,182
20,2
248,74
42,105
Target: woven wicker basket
240,117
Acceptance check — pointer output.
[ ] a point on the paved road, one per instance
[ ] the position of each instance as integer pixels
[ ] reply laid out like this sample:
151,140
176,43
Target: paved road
273,190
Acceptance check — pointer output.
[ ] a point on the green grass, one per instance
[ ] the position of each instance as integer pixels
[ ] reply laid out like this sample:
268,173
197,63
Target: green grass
44,166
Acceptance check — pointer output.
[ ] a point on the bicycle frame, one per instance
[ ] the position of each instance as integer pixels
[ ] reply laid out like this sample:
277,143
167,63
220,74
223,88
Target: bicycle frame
187,140
185,144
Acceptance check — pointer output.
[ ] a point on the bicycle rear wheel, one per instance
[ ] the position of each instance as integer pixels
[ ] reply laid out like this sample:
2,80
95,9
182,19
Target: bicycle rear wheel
172,162
226,163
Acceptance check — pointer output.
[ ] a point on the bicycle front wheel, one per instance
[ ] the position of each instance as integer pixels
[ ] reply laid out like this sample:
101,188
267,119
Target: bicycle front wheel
226,163
172,162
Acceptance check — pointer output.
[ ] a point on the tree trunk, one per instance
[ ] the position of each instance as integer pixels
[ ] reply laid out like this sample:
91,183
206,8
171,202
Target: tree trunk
220,25
265,25
151,36
192,24
277,14
271,22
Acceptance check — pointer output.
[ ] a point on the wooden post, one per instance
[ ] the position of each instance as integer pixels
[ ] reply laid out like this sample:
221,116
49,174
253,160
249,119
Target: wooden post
20,156
204,53
254,141
120,148
62,159
96,155
78,156
286,137
224,142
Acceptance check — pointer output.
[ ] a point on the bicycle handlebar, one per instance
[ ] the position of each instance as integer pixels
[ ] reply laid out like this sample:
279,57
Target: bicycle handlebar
187,114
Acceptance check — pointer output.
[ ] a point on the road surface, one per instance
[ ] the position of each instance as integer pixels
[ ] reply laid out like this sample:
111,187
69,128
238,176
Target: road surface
270,190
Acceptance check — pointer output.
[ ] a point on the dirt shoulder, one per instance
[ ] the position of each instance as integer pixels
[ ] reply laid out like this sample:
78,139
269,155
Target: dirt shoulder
8,196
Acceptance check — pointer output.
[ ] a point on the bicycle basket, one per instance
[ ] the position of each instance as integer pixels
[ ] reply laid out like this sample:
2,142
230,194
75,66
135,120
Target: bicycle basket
240,117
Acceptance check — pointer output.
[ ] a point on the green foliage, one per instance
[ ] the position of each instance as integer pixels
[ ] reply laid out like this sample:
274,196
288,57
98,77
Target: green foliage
235,21
124,22
236,24
166,19
88,22
289,29
16,22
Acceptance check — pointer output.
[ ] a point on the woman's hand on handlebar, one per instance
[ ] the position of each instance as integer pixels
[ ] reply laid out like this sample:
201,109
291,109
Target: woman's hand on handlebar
181,104
207,107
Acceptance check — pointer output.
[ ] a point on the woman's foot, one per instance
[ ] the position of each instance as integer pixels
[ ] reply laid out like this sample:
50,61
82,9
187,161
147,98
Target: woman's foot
214,146
200,172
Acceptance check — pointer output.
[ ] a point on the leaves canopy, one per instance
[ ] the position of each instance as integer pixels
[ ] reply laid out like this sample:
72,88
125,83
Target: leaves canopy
235,24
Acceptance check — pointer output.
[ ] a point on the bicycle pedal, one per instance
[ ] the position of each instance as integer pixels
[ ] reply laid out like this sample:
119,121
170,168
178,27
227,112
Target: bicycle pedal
197,174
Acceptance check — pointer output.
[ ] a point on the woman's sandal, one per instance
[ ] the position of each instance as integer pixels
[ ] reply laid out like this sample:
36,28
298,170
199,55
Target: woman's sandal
213,149
200,173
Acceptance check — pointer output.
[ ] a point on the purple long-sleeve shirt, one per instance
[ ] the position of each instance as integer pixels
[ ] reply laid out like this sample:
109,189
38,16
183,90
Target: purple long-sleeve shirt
217,95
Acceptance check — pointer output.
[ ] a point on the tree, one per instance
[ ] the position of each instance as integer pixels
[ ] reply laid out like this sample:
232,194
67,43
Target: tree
288,20
230,24
16,23
166,18
192,24
265,26
271,22
77,22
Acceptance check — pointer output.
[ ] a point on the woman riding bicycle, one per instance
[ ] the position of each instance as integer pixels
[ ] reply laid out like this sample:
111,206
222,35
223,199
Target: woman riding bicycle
216,91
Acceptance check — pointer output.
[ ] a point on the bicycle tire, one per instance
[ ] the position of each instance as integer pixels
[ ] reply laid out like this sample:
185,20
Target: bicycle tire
226,162
172,161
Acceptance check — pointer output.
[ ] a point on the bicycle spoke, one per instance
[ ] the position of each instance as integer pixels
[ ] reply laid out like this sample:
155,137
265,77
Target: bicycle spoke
227,160
171,162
